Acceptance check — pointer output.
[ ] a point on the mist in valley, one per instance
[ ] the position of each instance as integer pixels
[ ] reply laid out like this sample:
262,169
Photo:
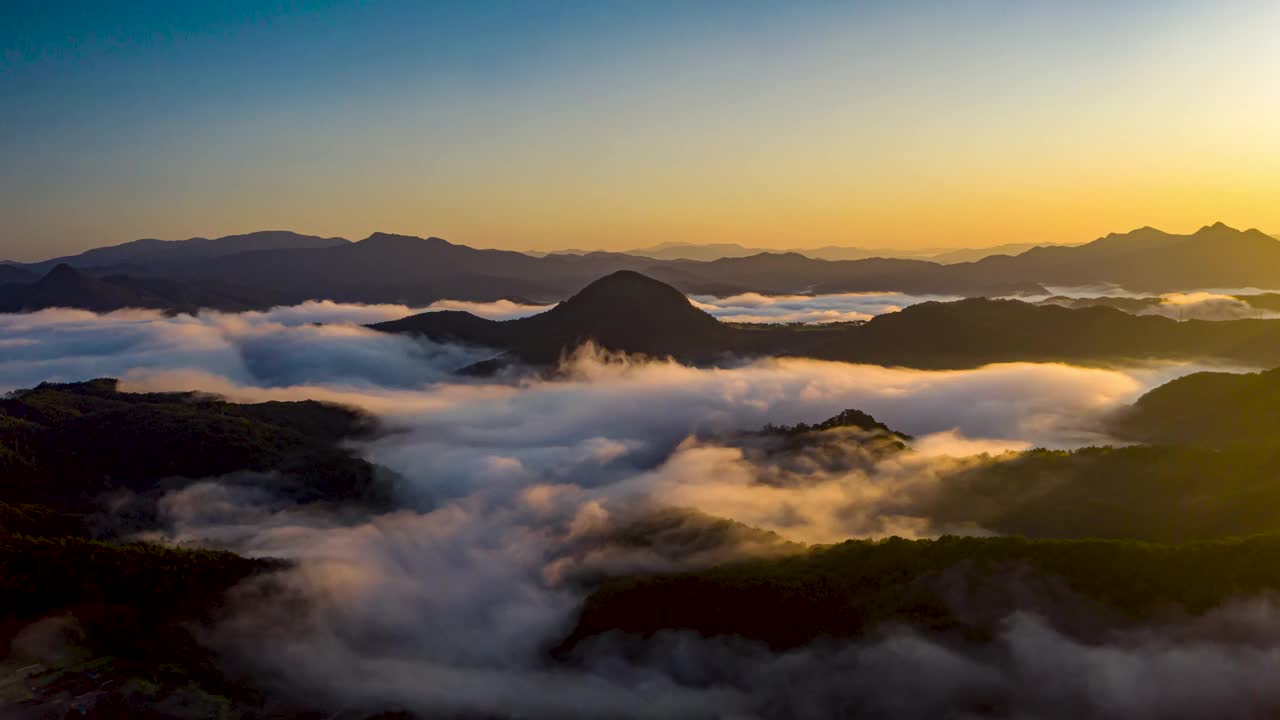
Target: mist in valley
516,495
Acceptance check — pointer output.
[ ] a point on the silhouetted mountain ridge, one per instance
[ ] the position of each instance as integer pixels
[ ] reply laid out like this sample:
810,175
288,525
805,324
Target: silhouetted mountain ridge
67,287
1149,260
10,273
417,271
623,311
630,313
706,252
157,255
64,286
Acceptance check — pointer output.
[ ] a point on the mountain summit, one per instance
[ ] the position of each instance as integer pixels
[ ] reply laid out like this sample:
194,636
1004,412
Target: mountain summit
629,299
623,311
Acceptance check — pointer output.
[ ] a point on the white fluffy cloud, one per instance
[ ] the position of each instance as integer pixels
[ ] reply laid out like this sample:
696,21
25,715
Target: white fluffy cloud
277,348
516,488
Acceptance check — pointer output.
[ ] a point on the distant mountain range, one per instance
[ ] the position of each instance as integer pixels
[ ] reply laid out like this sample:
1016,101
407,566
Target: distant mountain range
945,256
629,312
706,252
151,254
260,269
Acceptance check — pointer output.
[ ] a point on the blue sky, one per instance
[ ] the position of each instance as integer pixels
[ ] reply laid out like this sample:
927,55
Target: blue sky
611,124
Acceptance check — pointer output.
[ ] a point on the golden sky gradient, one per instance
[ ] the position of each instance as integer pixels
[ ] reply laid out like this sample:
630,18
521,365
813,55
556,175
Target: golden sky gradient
905,125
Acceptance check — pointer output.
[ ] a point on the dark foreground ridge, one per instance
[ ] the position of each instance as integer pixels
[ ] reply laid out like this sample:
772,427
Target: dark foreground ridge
66,445
95,624
954,585
139,613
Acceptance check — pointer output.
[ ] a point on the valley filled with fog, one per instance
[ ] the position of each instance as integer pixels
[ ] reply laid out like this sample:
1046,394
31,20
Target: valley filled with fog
515,495
1212,304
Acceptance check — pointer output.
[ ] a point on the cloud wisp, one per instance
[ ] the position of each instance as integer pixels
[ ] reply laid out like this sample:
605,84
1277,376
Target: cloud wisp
807,309
1212,304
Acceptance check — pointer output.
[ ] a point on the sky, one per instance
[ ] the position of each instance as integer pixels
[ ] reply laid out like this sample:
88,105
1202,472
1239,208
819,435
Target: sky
614,124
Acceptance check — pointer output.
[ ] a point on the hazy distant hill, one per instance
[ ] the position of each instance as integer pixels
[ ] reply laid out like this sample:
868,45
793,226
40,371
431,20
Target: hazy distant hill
715,251
949,257
707,252
695,251
630,312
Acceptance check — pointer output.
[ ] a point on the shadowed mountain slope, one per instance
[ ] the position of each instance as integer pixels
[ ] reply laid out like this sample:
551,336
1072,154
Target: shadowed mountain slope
14,274
624,311
64,286
1215,410
67,287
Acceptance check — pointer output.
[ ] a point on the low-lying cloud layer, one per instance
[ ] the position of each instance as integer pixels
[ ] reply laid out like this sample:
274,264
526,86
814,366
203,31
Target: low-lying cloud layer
808,309
519,493
1213,305
858,307
277,348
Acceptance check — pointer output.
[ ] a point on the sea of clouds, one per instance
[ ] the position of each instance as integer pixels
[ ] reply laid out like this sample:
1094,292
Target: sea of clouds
1213,304
808,309
516,491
